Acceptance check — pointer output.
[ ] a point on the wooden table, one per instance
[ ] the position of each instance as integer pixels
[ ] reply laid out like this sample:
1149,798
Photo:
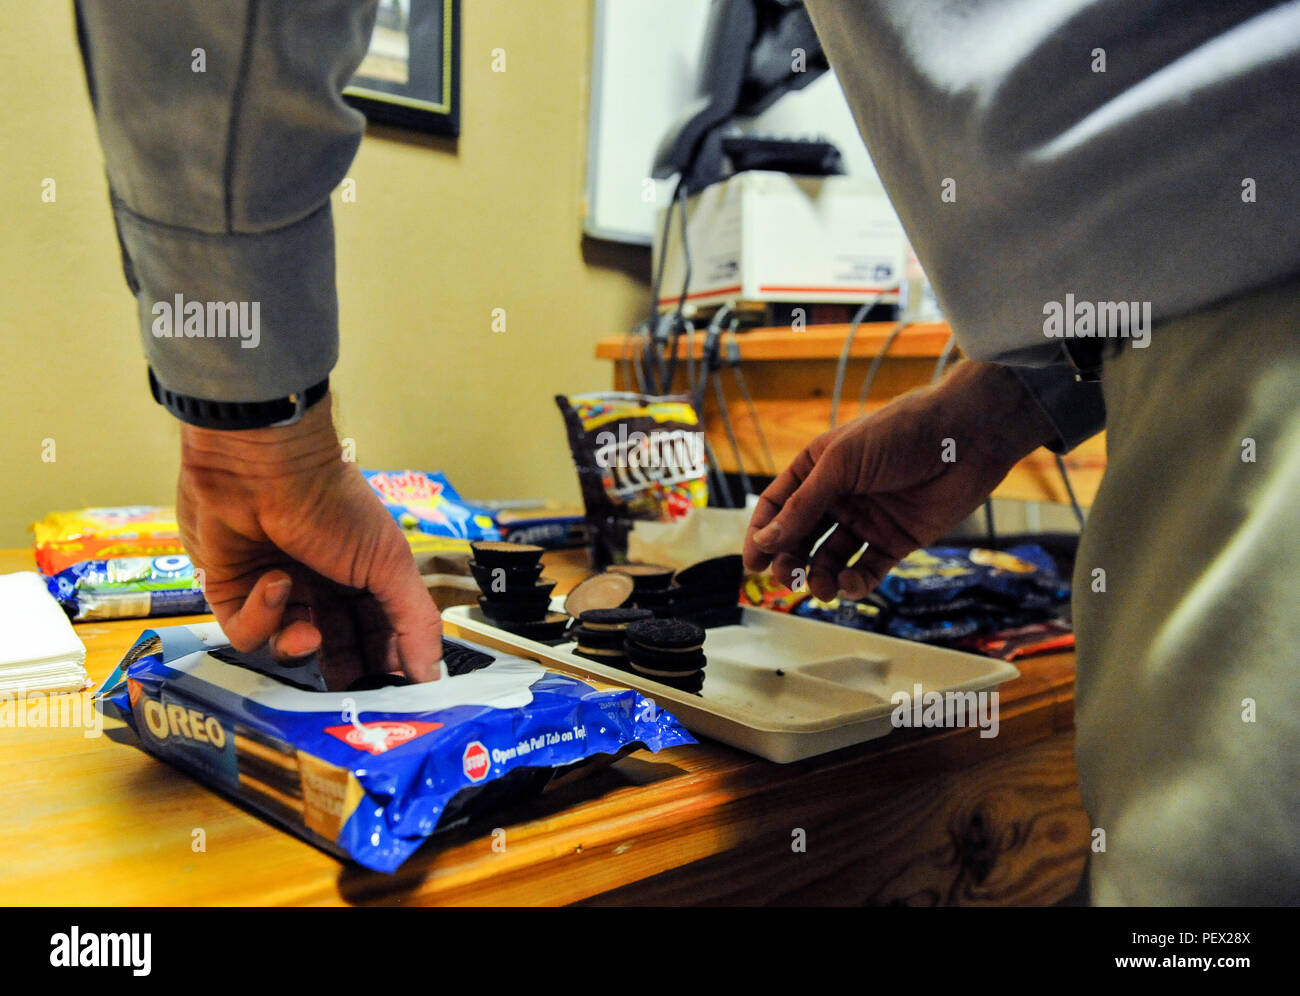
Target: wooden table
918,817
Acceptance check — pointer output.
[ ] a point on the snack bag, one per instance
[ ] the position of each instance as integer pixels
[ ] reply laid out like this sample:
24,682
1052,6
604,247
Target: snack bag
426,502
128,588
369,775
67,538
946,594
954,579
638,457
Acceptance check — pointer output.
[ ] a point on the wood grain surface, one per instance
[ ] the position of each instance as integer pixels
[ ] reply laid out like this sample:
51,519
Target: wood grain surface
918,816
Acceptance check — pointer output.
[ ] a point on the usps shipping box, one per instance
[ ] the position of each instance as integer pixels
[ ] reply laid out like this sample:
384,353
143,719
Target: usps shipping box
767,236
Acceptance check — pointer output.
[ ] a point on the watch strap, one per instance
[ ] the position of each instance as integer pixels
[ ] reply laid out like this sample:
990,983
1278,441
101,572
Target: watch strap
236,415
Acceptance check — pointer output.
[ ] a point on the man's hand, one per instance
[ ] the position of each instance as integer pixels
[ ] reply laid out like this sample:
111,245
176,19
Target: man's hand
297,550
895,480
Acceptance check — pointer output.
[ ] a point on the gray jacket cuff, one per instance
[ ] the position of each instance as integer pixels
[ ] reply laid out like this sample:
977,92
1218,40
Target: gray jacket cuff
279,337
1076,409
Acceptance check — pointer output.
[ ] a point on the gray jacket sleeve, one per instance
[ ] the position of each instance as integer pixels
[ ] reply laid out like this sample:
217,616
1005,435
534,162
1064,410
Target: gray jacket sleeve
224,131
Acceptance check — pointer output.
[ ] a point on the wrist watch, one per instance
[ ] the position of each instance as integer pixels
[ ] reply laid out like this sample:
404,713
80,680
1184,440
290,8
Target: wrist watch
236,415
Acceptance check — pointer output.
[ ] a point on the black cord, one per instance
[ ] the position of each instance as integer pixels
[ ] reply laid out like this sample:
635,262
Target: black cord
720,479
1069,490
680,197
674,337
991,533
690,358
731,433
733,357
652,322
710,359
631,370
679,204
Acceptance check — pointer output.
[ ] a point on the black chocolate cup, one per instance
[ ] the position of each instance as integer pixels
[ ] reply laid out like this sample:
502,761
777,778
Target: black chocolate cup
726,573
690,600
713,618
532,610
512,577
550,628
539,590
497,553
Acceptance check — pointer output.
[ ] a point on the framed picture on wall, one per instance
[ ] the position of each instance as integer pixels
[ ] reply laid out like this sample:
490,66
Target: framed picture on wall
410,77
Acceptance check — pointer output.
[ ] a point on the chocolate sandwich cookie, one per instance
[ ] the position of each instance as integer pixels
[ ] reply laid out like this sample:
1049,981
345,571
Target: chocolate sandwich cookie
691,683
269,774
460,658
612,620
611,656
370,682
494,580
496,553
549,629
655,662
646,577
666,634
665,648
604,629
600,591
599,639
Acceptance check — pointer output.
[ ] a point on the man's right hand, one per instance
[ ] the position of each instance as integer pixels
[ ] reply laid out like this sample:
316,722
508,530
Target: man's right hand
895,480
297,551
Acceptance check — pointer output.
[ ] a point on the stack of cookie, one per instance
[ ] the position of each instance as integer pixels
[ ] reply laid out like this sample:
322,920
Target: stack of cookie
515,595
601,633
708,593
670,651
650,586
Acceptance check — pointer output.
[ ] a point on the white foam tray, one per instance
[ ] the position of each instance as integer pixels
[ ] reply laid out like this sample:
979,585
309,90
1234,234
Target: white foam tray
779,686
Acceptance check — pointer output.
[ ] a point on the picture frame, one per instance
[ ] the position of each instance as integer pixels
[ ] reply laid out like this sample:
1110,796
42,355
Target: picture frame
410,76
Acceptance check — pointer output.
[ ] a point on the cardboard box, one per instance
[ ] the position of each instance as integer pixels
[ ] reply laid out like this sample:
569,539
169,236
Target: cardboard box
766,236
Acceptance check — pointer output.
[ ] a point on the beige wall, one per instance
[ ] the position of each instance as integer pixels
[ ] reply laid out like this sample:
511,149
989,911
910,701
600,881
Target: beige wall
441,234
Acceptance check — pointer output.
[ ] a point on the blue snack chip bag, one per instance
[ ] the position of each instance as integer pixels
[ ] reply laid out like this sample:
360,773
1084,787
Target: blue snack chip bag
369,775
426,502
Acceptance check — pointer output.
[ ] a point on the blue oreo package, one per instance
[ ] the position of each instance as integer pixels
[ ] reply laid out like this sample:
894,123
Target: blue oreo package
369,775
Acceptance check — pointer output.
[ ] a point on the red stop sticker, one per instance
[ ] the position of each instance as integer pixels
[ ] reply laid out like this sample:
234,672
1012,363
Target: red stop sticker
475,761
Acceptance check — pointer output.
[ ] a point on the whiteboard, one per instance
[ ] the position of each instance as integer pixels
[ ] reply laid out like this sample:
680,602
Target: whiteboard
645,59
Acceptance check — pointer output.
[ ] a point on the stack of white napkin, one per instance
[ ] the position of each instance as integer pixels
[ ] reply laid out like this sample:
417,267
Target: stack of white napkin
39,650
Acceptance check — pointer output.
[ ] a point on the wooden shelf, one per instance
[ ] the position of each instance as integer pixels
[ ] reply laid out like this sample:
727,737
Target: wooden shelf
817,342
790,376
